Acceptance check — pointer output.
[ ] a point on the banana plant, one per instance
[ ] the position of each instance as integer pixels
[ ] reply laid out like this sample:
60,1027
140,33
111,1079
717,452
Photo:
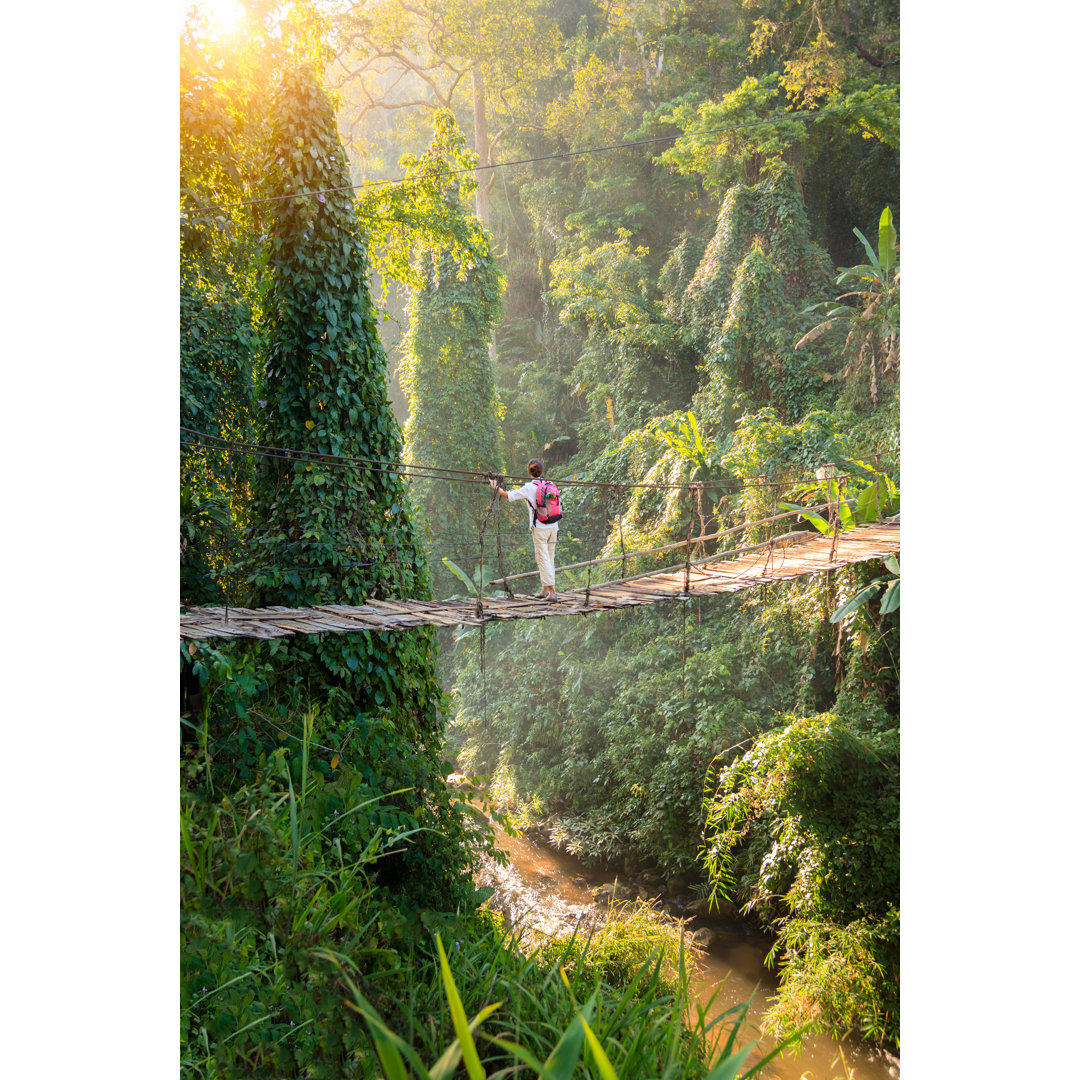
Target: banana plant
481,578
877,498
890,597
684,436
873,318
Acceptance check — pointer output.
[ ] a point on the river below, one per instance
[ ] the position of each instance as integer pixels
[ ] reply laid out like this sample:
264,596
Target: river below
549,891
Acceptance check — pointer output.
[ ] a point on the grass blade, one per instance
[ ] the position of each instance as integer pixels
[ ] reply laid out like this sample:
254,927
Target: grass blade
443,1069
457,1012
728,1069
562,1061
602,1062
793,1038
523,1055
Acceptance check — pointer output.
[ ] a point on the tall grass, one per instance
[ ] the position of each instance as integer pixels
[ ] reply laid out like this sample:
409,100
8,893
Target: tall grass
578,1007
297,962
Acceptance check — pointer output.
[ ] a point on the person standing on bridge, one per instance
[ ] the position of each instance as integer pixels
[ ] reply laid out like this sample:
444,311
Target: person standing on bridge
545,511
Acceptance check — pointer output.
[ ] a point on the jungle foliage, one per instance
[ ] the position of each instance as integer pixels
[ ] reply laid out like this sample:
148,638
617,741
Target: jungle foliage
703,308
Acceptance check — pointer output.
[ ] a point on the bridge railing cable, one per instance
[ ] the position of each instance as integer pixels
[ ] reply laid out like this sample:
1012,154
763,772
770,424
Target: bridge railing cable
677,545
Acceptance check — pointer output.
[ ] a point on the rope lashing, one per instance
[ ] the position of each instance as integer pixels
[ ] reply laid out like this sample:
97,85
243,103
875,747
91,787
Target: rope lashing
494,480
700,549
834,510
622,546
498,545
615,518
772,527
498,483
689,536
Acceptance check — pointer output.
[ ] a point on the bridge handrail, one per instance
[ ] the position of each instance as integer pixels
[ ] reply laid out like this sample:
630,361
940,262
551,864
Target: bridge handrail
667,547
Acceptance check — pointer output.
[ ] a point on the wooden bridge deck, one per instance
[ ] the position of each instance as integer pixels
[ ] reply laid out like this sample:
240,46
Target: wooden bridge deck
779,562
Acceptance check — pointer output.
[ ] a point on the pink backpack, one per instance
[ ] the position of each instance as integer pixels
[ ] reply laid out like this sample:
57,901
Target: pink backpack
548,502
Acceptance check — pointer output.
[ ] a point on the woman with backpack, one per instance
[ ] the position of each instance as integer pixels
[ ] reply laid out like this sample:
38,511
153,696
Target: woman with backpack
545,510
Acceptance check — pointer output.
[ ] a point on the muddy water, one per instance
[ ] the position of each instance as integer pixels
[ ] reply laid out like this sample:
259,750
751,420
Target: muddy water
548,891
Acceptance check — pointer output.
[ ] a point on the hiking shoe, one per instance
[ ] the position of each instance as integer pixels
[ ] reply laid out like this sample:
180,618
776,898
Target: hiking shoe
552,597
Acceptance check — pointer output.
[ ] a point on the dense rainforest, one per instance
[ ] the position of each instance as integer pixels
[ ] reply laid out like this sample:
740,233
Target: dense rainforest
656,245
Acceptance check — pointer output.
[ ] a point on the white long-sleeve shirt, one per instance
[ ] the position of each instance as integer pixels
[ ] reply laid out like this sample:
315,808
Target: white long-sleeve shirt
527,491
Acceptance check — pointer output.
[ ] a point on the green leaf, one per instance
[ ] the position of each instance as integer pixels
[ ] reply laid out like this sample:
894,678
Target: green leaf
844,511
857,600
524,1056
892,564
562,1061
459,573
728,1069
890,601
886,241
602,1062
457,1012
815,519
444,1068
388,1046
869,251
869,502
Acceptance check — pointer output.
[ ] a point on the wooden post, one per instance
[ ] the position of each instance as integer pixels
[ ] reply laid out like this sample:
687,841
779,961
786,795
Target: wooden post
689,538
622,546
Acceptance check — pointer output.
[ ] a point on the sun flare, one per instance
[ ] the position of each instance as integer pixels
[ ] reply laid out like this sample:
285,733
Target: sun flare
227,13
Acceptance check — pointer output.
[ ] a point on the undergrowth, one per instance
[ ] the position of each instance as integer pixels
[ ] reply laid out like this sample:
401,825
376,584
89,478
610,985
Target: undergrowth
296,962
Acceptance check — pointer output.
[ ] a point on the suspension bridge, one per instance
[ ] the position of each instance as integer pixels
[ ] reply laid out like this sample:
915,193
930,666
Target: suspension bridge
793,555
777,558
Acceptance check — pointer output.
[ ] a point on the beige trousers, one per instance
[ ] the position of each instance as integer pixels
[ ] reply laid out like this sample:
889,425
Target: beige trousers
544,537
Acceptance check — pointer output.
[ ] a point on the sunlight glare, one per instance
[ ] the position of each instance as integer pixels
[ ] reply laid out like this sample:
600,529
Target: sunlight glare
226,12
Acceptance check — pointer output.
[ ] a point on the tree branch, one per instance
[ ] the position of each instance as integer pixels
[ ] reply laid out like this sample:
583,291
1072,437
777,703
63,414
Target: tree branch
870,59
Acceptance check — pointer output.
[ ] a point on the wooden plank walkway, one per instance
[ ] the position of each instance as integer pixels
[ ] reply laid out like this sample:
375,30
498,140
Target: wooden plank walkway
780,562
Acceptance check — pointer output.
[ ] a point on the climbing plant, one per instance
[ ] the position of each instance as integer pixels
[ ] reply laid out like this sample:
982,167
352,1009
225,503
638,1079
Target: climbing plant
635,359
324,534
803,829
758,270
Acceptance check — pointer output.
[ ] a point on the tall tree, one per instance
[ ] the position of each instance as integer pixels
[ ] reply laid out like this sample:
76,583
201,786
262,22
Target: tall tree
220,132
486,50
341,534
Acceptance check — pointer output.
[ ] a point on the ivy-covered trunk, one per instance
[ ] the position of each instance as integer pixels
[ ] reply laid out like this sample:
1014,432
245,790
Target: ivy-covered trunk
333,533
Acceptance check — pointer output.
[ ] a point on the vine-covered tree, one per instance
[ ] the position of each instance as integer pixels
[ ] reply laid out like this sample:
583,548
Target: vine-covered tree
325,388
342,534
743,305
